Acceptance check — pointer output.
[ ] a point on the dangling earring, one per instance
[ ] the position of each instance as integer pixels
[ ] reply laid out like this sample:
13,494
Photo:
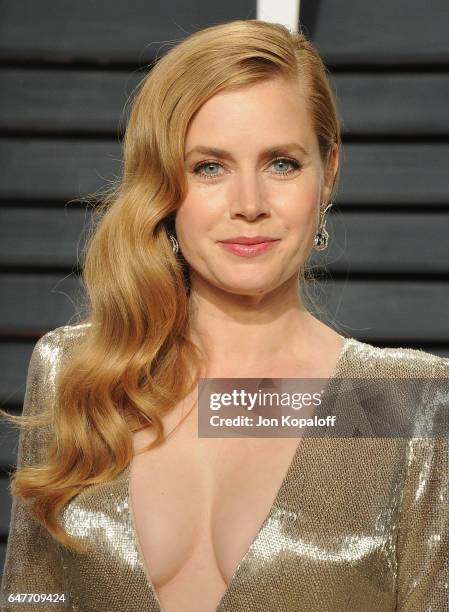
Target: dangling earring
175,245
322,237
321,241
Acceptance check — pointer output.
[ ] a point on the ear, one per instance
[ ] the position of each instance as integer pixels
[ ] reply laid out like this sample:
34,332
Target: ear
331,169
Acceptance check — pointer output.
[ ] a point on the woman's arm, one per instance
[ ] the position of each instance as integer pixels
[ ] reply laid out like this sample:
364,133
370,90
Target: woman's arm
32,563
423,539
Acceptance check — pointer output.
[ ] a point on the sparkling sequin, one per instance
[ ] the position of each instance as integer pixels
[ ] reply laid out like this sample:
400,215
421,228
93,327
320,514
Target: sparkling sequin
358,524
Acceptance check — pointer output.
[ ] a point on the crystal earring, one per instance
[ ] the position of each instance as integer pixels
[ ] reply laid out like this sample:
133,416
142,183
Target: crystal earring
321,240
322,237
175,245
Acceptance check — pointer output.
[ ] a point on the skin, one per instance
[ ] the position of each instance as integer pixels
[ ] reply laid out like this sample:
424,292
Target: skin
247,311
247,314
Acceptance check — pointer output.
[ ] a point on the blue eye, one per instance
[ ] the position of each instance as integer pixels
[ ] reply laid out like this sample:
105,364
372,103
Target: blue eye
200,168
283,160
206,165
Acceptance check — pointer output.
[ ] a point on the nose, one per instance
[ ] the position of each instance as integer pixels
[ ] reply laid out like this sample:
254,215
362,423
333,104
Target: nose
248,199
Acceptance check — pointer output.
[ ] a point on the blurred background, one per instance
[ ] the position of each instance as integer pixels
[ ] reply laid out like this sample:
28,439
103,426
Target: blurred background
67,74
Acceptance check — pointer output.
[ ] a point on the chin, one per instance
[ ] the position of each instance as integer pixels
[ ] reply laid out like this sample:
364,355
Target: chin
250,286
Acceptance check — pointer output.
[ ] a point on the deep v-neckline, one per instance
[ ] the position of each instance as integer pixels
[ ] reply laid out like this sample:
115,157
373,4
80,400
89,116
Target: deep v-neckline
275,506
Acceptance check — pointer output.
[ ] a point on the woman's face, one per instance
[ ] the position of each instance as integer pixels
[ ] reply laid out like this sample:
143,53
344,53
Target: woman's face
266,180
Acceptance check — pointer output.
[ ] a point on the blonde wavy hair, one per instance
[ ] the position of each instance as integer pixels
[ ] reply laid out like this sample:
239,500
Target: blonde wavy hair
136,361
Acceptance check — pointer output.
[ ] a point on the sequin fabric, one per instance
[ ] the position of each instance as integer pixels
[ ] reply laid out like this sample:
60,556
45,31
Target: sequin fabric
357,524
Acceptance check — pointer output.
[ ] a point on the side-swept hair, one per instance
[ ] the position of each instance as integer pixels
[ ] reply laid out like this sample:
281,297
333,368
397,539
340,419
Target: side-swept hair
136,361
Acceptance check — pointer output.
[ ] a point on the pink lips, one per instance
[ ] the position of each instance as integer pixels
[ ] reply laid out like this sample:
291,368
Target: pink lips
247,246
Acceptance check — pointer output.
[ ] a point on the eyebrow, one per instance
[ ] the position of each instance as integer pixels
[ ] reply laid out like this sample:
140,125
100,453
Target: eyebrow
280,149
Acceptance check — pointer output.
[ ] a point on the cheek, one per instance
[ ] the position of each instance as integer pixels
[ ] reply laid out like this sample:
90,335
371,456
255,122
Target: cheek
298,201
193,220
301,213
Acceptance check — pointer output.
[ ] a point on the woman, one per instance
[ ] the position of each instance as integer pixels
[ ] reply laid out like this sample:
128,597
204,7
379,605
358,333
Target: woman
233,139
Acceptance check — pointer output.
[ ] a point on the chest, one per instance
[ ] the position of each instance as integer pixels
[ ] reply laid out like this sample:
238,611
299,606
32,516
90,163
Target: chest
334,526
197,505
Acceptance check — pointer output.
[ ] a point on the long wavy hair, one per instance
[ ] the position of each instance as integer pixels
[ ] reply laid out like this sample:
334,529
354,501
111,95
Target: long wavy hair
136,360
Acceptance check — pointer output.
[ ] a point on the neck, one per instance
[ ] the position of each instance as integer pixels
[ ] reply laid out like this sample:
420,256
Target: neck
254,328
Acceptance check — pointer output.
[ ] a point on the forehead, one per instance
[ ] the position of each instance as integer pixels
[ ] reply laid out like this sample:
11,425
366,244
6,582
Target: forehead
270,110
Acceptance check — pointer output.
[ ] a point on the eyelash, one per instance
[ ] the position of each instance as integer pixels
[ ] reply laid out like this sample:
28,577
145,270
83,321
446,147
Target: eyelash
296,165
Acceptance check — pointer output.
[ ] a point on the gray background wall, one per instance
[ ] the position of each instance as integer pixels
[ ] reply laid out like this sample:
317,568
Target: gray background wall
66,71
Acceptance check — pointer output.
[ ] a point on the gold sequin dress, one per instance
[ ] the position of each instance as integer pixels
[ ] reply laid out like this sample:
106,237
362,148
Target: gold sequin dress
357,524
